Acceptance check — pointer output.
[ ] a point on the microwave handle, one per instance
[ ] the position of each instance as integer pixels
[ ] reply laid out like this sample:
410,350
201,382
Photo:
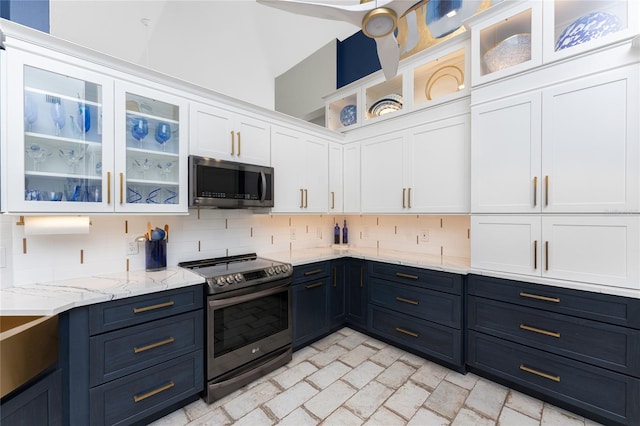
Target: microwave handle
263,180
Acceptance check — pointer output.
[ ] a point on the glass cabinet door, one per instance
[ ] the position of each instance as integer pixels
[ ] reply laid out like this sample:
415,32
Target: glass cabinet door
62,124
150,150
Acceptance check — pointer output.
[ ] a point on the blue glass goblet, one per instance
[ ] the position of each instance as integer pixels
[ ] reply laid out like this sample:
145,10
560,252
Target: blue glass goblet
58,116
139,129
163,133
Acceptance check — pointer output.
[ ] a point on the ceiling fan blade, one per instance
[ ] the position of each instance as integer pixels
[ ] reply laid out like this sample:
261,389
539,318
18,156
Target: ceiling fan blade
347,13
389,55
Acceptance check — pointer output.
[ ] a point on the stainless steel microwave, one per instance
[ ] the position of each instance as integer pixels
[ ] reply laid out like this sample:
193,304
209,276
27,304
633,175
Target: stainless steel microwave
230,185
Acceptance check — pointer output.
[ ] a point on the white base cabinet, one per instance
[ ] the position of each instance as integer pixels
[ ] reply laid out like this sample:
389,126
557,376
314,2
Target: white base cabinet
602,250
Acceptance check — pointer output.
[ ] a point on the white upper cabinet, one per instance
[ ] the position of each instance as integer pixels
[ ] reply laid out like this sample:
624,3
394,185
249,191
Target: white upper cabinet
335,178
301,164
351,177
226,135
571,148
382,182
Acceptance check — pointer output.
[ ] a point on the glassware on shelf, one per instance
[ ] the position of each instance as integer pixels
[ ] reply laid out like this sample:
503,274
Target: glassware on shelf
30,111
50,196
58,114
134,194
143,165
139,129
72,157
74,192
165,168
170,196
94,194
31,195
154,196
163,133
82,121
38,154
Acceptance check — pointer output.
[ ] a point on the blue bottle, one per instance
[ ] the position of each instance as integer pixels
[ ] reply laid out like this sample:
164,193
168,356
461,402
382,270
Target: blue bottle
336,234
345,233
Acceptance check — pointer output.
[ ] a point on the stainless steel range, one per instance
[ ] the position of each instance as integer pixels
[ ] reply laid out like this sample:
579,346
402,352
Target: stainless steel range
248,328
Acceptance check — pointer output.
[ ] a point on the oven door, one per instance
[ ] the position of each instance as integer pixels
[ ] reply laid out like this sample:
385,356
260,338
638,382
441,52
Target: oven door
243,327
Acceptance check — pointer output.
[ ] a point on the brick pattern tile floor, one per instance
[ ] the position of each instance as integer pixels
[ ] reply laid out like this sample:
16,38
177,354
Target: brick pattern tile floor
350,379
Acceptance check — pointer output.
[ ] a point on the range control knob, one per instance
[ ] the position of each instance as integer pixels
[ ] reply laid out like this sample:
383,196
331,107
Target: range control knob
278,269
230,279
220,282
285,268
238,277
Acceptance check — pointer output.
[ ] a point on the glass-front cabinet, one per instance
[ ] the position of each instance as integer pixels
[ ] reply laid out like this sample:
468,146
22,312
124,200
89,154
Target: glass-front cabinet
80,141
151,150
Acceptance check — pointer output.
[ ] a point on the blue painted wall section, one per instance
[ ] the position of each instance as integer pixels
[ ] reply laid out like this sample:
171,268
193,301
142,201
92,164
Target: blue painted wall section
31,13
357,58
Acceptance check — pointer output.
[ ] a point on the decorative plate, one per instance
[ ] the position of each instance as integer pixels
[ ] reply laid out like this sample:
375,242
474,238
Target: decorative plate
445,80
589,27
348,115
509,52
387,104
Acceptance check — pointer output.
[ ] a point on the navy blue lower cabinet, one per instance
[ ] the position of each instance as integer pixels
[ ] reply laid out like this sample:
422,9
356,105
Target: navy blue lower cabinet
356,283
603,395
310,294
39,403
438,342
337,294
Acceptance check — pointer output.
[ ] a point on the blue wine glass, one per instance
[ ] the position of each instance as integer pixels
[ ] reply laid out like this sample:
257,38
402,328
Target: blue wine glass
163,133
58,115
140,129
30,111
84,117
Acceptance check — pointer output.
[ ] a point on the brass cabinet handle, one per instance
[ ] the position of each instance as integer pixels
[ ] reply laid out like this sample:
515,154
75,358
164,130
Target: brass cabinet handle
138,398
407,332
108,187
539,373
361,277
335,274
121,187
153,307
233,143
301,198
546,255
333,200
315,271
537,297
409,197
404,192
401,275
535,191
535,254
239,146
306,198
153,345
310,286
546,191
539,331
402,299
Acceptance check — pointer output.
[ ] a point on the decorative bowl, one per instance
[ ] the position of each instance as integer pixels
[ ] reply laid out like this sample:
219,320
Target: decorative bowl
348,115
588,27
509,52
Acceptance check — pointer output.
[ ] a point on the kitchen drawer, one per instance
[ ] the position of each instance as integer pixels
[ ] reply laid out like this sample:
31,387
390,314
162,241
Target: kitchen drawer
596,306
435,340
434,280
121,352
606,345
436,306
137,396
311,271
610,396
136,310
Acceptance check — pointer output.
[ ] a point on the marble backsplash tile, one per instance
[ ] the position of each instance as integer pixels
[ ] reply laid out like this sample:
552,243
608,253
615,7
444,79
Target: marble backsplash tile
215,233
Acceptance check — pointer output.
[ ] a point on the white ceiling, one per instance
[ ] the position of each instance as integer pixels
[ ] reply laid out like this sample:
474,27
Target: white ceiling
236,47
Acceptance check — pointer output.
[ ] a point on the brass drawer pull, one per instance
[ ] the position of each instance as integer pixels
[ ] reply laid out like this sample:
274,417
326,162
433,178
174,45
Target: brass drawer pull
544,298
138,398
335,277
407,332
315,271
535,191
401,275
402,299
535,254
152,307
540,331
153,345
361,277
318,284
233,142
539,373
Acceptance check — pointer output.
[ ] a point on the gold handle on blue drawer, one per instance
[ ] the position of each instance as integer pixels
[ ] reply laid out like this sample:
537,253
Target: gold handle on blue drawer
402,299
539,373
318,284
335,277
153,345
401,275
152,307
539,331
407,332
315,271
537,297
138,398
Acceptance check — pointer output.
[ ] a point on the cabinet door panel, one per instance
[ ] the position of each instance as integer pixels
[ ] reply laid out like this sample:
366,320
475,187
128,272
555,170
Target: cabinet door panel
439,158
505,243
591,150
210,131
505,154
316,175
252,141
381,165
335,178
599,250
351,176
288,159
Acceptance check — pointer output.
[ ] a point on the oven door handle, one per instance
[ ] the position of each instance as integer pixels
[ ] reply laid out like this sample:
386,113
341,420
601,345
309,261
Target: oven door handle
221,303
